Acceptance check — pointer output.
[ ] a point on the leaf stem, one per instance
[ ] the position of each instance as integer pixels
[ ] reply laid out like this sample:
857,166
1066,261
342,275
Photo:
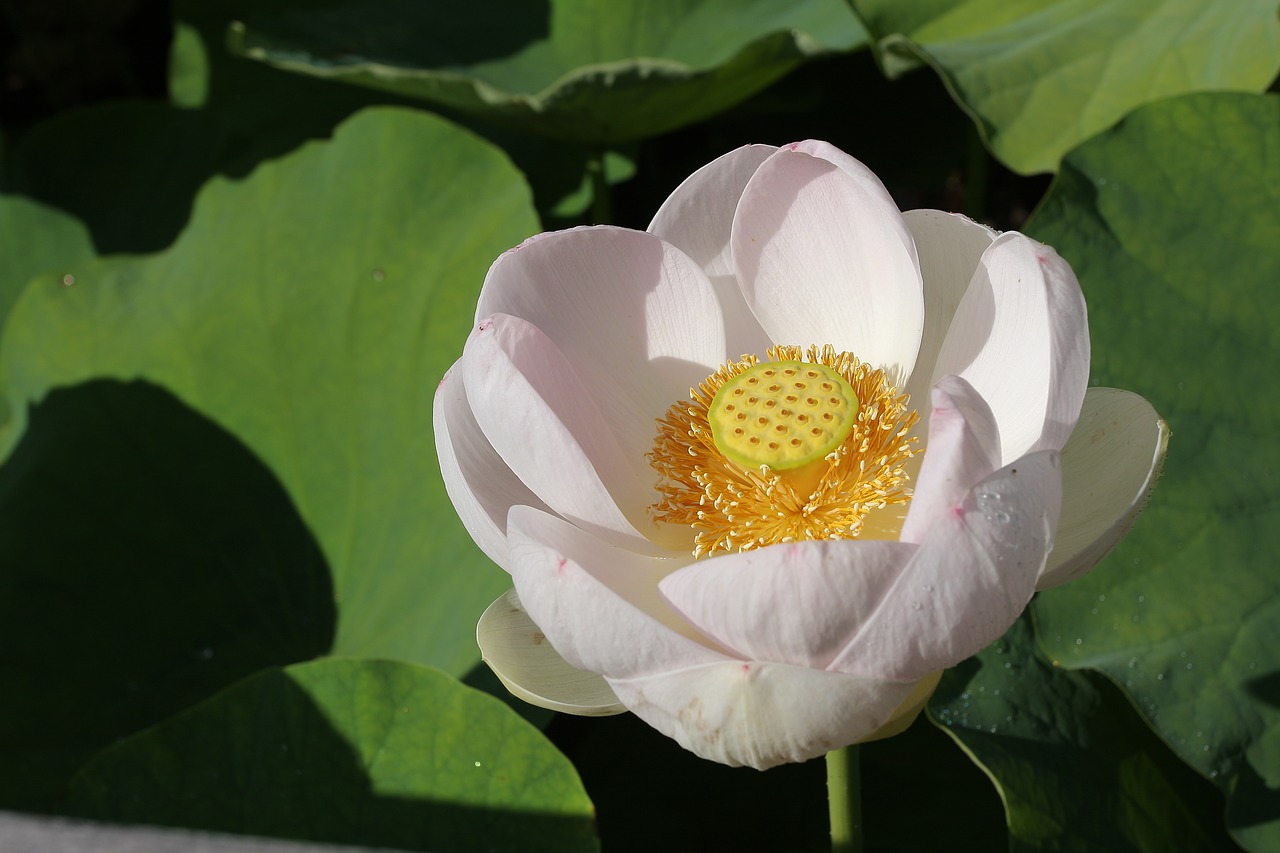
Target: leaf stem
975,190
601,204
844,801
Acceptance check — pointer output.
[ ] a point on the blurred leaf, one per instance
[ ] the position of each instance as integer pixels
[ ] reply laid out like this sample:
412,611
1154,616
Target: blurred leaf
1076,768
1170,221
311,309
598,72
148,561
188,67
38,239
1041,77
348,751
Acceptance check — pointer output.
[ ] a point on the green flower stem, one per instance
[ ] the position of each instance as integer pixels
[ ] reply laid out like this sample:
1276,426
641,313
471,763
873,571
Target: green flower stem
844,801
975,190
601,206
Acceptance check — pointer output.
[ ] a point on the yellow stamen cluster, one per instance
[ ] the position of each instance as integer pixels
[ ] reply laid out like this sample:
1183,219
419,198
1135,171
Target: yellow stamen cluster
737,507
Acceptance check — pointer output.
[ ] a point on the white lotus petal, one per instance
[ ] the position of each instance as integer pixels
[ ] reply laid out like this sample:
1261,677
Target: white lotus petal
949,246
479,484
635,317
796,603
698,218
825,258
762,714
599,605
526,663
971,577
534,412
1021,337
1109,467
964,447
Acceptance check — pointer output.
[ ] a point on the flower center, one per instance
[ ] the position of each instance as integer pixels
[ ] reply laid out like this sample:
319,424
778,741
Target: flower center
799,447
783,414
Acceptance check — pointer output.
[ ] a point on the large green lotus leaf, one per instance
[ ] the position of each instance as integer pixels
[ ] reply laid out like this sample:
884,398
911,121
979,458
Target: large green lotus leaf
1074,764
598,72
311,309
368,752
37,239
1041,77
1171,222
147,560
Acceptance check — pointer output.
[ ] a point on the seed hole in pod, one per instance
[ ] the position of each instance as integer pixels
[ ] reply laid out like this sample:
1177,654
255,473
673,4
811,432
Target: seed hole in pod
753,440
813,374
815,431
741,416
762,420
773,445
738,431
791,398
795,442
835,401
785,413
804,419
753,400
828,417
811,401
728,407
780,429
769,404
769,372
801,386
790,371
738,392
775,388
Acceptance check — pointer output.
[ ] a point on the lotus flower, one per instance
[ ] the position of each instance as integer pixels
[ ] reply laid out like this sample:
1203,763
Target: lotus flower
760,473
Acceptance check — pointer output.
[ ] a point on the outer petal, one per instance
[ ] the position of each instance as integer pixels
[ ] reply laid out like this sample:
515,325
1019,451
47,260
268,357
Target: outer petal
824,257
949,246
638,320
1021,337
698,219
518,653
971,577
964,448
1109,467
599,605
534,412
762,714
797,603
479,484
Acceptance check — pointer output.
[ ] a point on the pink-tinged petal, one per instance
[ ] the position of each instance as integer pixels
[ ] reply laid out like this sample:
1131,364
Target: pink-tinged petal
534,411
949,246
968,581
1021,337
964,448
762,714
599,605
796,603
1109,467
698,218
637,319
480,485
824,257
909,710
526,663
